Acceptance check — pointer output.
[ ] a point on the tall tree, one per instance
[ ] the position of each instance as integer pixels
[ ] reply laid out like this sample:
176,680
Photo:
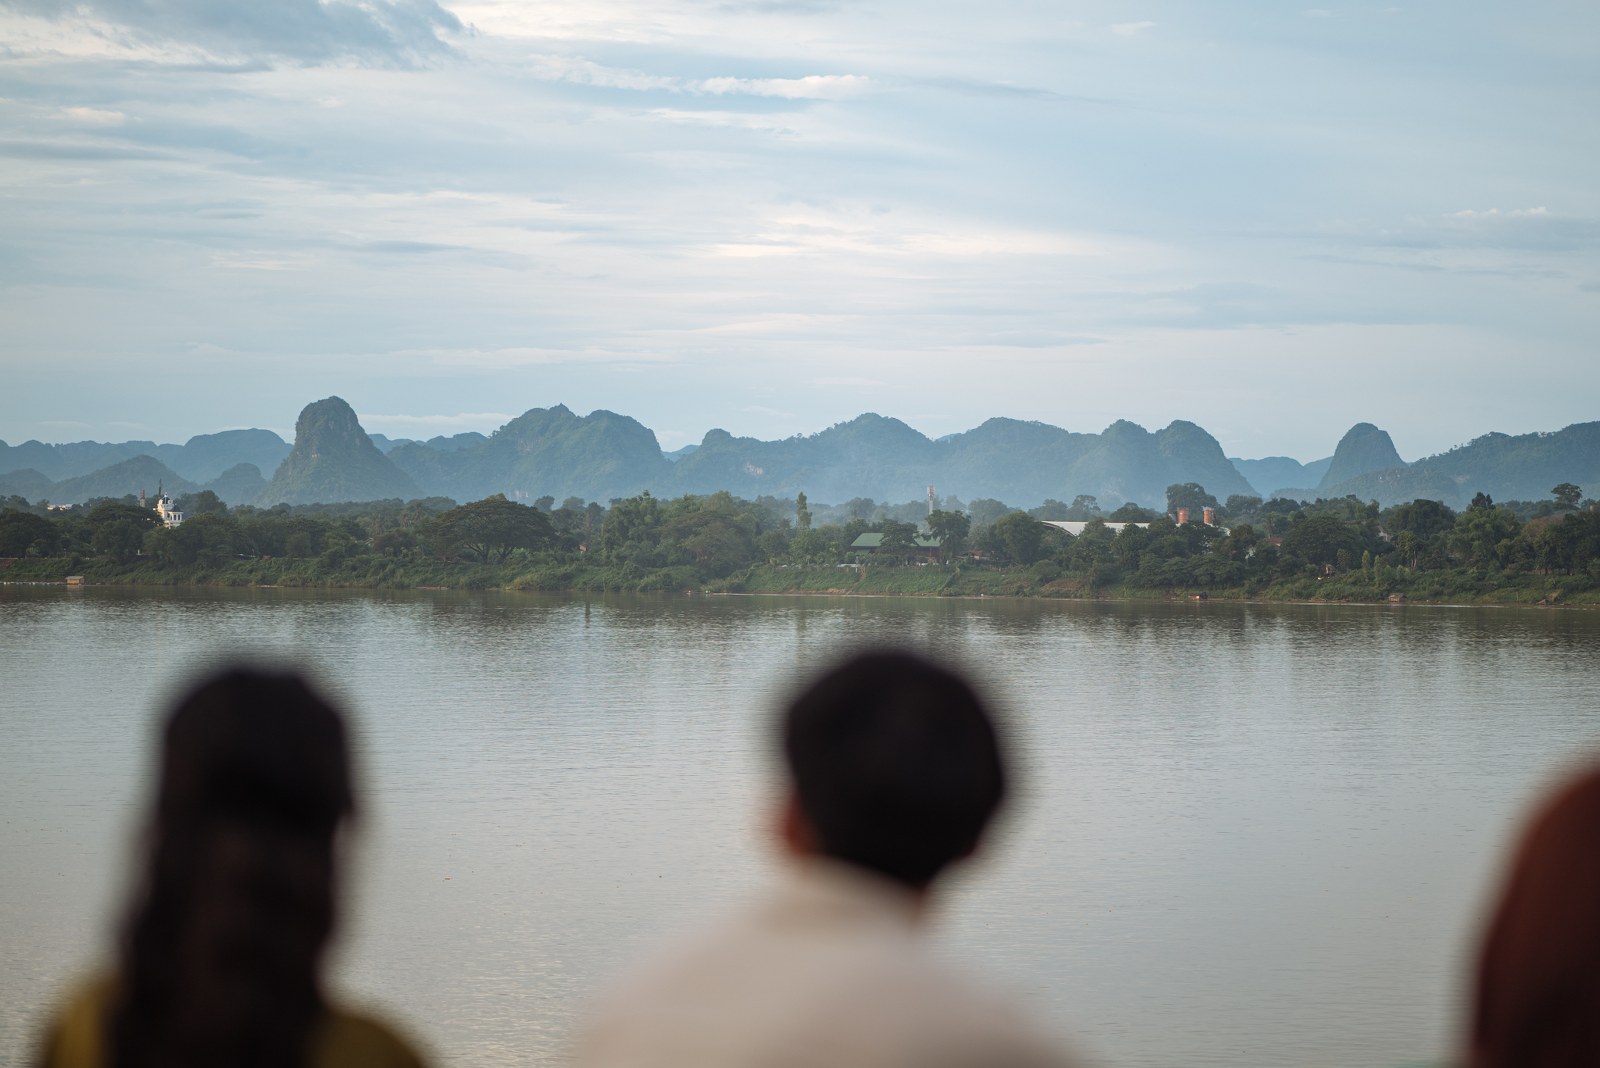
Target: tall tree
490,530
1021,536
952,529
1567,494
1190,495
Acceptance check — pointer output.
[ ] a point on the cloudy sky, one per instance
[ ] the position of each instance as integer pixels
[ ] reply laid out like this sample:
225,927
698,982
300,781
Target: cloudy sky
772,215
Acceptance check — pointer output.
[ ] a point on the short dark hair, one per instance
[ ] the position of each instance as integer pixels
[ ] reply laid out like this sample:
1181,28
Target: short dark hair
896,764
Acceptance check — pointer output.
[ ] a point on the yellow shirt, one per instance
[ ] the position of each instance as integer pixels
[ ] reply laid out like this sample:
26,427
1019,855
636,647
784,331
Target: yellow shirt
345,1040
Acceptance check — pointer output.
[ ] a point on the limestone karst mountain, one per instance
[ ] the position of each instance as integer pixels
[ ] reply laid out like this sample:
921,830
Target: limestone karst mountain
603,455
543,452
1363,450
334,460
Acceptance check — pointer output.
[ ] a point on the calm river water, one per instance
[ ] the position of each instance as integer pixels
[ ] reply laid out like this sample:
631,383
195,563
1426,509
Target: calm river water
1247,836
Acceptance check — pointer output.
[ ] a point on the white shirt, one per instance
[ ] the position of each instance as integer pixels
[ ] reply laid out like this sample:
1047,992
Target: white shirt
829,970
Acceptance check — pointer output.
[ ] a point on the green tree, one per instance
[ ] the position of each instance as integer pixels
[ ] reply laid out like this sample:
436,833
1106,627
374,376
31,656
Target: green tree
1567,494
1319,538
899,539
490,530
1132,513
860,507
631,531
1021,537
986,511
1409,546
812,547
24,534
713,531
118,530
802,513
1083,508
952,529
1483,537
202,502
209,539
1190,495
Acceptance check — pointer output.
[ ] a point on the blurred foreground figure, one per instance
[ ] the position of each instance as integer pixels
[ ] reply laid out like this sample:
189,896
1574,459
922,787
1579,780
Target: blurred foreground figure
219,965
894,771
1537,1001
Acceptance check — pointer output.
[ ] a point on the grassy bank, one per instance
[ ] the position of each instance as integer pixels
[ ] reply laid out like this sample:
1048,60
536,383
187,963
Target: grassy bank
1459,586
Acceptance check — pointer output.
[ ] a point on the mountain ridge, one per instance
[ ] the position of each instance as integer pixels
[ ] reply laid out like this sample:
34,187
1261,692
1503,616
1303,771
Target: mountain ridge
604,455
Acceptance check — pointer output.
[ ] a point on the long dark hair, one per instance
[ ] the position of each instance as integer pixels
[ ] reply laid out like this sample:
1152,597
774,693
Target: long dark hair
1537,1002
221,953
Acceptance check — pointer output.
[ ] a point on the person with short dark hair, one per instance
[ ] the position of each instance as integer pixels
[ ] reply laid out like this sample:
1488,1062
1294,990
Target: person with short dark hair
1536,1002
895,769
221,954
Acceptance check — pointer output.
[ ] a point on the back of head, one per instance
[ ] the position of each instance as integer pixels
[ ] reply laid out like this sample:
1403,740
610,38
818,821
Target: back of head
222,949
1537,1001
896,765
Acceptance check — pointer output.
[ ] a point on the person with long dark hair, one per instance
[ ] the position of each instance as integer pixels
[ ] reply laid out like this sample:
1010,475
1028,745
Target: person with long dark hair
1537,998
220,958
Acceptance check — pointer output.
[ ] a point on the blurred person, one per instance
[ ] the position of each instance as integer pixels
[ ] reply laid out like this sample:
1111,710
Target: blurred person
219,963
894,771
1537,997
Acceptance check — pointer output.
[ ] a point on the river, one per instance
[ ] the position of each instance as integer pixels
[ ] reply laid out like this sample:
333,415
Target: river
1245,836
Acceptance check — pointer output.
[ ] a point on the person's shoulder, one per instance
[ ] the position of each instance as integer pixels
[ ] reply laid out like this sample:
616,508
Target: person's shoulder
963,1021
355,1040
74,1037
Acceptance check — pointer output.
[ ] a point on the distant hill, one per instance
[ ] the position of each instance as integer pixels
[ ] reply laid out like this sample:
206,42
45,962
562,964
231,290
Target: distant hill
544,451
130,476
1506,467
1272,473
200,459
603,455
206,456
1363,450
334,460
239,484
26,483
70,459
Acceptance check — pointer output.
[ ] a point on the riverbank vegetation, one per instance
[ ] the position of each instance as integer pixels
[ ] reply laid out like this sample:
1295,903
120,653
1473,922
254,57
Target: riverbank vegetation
1338,550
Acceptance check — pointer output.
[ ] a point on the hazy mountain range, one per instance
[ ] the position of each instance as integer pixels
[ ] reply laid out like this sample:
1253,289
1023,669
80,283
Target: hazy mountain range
555,452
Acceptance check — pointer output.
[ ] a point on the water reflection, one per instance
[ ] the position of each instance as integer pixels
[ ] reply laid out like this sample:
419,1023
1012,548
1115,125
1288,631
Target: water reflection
1238,820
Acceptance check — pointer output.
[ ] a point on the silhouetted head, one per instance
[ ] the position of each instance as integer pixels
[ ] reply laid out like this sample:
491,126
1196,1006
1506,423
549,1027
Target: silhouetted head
221,955
1538,984
895,764
251,748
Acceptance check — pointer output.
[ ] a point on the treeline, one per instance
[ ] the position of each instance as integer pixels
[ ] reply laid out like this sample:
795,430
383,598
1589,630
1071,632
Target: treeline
1342,549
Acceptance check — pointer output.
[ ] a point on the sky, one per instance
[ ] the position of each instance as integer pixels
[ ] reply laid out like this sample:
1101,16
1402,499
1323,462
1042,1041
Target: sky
770,216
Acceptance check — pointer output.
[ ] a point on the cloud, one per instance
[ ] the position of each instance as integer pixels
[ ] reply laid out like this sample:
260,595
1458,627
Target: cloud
527,356
400,32
1511,230
95,116
63,151
580,71
408,247
849,382
811,87
1131,29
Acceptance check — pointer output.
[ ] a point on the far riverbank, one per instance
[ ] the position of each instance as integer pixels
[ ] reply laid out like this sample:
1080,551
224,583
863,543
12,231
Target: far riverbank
1390,585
